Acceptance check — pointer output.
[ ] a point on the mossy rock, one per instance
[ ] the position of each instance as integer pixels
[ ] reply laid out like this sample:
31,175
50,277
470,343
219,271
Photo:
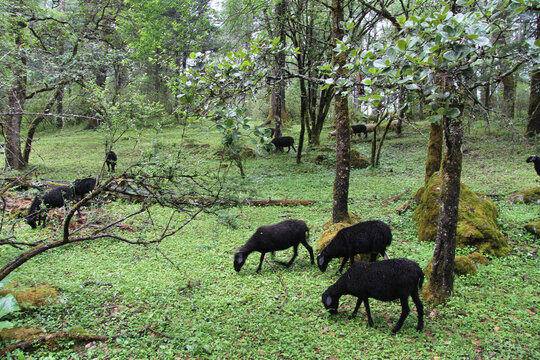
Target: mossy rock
359,161
527,196
477,223
29,297
319,159
463,265
534,227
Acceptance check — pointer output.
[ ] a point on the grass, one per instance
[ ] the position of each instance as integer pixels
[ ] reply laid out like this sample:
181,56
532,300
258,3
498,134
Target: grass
201,308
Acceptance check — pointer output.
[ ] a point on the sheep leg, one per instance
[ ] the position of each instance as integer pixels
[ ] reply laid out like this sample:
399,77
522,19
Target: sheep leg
368,313
419,309
358,303
293,148
310,250
260,262
405,310
343,264
295,253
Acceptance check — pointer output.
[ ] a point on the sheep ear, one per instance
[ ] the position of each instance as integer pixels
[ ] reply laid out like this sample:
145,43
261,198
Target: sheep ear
328,300
240,258
321,260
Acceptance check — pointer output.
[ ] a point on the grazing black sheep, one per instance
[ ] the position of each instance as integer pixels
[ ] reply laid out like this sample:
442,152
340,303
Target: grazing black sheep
536,160
270,238
359,129
83,187
110,160
283,141
53,198
371,237
384,280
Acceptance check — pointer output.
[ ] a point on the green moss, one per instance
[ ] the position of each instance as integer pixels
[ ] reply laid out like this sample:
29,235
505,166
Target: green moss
29,297
463,265
534,227
527,196
359,161
477,224
19,334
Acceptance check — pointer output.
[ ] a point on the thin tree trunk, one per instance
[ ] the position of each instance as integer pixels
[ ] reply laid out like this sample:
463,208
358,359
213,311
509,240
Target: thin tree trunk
36,121
340,210
15,106
441,281
434,152
533,126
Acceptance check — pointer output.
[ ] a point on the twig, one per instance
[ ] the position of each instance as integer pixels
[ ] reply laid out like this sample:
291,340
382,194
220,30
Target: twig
282,283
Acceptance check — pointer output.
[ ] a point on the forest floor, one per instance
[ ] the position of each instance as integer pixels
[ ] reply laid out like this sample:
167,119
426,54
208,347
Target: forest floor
182,299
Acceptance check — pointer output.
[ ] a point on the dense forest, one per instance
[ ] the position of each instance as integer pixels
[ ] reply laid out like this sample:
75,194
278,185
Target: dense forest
146,141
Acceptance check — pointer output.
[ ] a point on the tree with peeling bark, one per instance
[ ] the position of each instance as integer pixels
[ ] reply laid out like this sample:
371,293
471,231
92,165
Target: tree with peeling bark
533,125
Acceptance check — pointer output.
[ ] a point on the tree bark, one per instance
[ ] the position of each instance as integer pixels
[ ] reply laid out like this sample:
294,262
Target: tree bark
434,152
533,126
16,101
340,211
441,281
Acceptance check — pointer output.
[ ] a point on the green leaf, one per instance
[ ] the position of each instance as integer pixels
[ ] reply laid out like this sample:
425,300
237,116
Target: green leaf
537,42
8,304
482,41
379,63
402,44
452,113
434,118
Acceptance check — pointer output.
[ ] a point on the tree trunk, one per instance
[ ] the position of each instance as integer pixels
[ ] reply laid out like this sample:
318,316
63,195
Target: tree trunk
340,210
434,152
101,79
509,96
15,106
36,121
441,281
533,126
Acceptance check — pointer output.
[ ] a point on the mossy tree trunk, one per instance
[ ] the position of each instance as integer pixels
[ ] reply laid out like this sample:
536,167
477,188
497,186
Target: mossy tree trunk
340,211
441,281
434,151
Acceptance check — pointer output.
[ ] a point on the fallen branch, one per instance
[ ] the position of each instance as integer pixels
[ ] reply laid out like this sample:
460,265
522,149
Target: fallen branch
270,202
46,339
396,198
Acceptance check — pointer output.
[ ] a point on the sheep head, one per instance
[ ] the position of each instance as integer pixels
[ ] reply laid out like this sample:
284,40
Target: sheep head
330,302
239,260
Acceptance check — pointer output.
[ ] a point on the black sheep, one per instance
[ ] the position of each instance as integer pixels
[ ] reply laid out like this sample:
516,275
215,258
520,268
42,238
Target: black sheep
110,160
269,238
282,142
384,280
53,198
536,160
359,129
83,187
368,237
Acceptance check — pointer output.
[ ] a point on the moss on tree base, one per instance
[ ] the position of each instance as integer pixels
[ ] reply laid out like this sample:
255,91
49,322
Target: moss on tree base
477,223
534,227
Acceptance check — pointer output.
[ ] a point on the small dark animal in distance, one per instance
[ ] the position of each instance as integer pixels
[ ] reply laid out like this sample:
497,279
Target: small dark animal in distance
283,142
110,160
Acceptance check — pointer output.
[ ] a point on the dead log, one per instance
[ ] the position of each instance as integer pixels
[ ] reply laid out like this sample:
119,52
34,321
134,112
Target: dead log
269,202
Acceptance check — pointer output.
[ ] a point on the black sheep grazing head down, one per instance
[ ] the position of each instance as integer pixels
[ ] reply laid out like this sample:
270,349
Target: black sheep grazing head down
330,303
239,260
536,160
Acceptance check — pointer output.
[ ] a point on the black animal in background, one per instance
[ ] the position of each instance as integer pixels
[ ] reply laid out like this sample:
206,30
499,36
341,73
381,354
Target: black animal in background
110,160
269,238
359,129
384,280
282,142
272,131
54,198
536,160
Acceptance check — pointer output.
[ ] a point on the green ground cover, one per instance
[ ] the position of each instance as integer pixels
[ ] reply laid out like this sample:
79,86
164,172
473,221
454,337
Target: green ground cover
201,308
